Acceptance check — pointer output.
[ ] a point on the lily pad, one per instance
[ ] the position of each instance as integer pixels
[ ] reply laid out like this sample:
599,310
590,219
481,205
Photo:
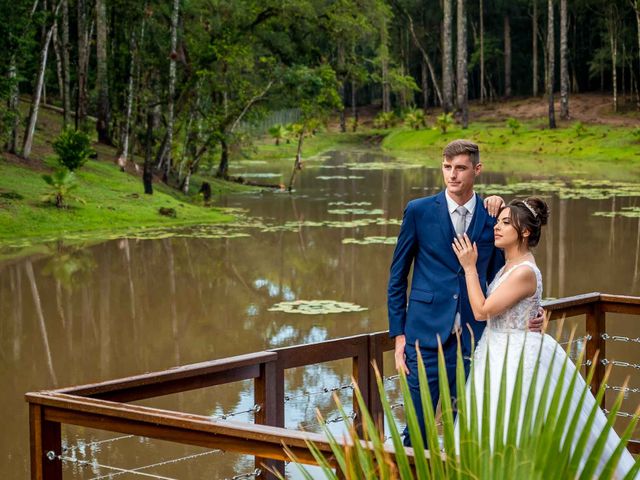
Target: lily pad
316,307
566,190
371,241
339,177
629,212
382,166
349,204
356,211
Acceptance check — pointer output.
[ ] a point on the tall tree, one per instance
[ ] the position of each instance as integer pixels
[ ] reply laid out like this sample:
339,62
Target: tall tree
102,78
66,64
506,20
551,46
564,63
82,98
534,46
384,64
426,59
483,90
461,64
447,60
612,21
636,7
38,86
172,88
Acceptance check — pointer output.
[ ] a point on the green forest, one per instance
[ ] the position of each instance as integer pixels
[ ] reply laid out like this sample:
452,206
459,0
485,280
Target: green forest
170,89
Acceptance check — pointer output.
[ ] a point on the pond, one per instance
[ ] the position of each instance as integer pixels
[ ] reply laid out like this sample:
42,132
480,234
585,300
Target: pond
86,313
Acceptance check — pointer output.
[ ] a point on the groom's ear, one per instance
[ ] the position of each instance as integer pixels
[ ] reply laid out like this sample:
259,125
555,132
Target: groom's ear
478,168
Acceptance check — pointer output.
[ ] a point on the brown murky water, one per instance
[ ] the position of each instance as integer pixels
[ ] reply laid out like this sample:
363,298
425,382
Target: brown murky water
81,314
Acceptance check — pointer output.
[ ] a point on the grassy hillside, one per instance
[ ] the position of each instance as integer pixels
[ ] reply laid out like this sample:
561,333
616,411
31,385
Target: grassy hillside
595,150
112,201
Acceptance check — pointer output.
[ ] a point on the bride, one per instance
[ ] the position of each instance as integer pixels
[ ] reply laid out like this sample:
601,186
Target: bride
512,299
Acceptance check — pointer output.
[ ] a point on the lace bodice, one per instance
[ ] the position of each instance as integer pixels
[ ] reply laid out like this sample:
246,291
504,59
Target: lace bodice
516,317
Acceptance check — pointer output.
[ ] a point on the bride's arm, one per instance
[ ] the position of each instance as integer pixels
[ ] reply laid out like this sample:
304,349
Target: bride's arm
520,284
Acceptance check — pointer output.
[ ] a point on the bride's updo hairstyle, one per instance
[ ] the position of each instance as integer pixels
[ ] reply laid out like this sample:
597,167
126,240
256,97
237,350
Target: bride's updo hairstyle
529,214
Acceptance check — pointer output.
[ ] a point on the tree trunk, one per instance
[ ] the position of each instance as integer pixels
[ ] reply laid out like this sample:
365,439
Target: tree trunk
462,73
447,65
534,41
564,63
66,67
425,56
14,98
223,166
83,65
172,88
124,157
342,87
425,86
507,55
57,50
354,104
384,63
551,61
483,89
637,8
37,91
297,165
153,115
623,87
613,41
102,78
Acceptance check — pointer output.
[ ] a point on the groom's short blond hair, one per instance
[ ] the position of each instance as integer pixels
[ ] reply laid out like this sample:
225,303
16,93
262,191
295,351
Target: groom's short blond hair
462,147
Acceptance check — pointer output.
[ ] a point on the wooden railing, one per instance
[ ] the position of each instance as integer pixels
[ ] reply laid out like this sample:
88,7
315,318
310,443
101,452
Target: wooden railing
103,405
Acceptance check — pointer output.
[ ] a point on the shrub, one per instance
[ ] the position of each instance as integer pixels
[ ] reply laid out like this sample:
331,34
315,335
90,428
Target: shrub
415,119
384,120
514,125
444,122
62,182
352,124
73,148
636,134
278,132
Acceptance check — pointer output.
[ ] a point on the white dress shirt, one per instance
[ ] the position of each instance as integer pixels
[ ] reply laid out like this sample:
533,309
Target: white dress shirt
452,205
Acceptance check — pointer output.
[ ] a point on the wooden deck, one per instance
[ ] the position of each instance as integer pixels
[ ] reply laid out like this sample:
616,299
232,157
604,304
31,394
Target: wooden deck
104,405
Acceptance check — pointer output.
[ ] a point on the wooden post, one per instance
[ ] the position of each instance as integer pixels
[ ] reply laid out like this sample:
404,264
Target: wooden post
266,397
595,326
375,357
46,446
361,373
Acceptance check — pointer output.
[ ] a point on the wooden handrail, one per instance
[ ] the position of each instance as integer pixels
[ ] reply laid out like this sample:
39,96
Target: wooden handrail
176,379
99,405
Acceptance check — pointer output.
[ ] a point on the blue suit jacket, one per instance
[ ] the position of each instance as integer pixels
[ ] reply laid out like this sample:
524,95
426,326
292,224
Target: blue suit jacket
438,287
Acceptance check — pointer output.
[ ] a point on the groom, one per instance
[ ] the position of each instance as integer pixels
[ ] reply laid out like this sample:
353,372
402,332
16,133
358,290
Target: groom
438,305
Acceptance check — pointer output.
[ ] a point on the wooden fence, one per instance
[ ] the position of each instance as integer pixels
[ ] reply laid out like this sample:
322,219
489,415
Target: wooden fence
104,405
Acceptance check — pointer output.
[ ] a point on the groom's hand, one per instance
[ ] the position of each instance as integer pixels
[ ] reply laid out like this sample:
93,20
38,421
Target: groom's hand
493,204
398,354
536,324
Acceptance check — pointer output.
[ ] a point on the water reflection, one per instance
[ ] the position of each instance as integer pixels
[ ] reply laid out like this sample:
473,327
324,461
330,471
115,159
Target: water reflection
88,313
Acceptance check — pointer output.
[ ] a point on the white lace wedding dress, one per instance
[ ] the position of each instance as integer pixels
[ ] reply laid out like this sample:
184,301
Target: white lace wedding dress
512,325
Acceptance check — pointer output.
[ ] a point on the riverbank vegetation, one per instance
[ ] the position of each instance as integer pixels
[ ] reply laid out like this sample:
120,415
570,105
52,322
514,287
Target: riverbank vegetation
175,92
602,151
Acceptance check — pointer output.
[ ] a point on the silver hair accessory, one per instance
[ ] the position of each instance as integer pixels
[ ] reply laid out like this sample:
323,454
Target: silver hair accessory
533,212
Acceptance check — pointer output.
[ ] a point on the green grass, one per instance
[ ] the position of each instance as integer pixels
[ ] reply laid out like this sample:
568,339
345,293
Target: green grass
607,151
113,201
